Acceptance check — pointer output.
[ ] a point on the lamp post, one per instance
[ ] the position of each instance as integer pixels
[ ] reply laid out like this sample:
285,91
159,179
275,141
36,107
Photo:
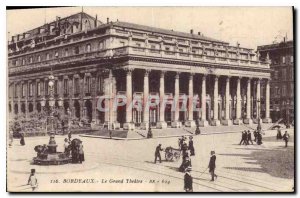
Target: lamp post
258,116
287,114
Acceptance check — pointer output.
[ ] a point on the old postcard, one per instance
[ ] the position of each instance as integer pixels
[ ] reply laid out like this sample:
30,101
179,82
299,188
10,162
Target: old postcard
150,99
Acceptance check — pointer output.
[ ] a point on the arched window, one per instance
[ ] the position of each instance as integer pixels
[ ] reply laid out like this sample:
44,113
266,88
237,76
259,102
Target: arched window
88,47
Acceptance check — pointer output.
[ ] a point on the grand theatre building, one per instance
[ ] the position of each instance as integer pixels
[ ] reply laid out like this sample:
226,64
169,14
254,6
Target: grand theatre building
90,59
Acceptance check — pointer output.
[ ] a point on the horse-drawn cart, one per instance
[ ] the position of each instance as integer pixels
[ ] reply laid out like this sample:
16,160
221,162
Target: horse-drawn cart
172,154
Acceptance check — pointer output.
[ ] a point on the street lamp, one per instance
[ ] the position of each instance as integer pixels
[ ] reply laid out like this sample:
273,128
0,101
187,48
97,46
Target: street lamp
258,116
287,114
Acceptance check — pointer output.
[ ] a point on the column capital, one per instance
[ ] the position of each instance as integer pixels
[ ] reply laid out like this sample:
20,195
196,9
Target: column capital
191,76
128,71
177,74
204,76
216,77
147,71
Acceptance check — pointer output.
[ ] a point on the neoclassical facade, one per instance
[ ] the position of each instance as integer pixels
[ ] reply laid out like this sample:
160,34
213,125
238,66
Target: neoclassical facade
223,84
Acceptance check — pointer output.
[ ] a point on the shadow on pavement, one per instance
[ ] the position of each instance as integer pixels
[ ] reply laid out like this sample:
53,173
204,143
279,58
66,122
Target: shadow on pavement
277,162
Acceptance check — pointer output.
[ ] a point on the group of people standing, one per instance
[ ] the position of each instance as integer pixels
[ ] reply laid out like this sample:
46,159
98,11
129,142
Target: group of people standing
74,148
285,136
247,137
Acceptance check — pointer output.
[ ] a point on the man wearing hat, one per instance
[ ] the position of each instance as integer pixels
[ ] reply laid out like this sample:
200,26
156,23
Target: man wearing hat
188,180
191,146
212,165
157,153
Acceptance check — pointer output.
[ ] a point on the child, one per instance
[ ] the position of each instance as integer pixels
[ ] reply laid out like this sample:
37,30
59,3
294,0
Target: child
32,180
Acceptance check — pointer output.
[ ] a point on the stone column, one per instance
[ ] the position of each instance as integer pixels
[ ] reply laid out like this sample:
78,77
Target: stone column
129,124
227,120
238,120
248,119
267,118
203,121
191,122
258,100
162,124
176,123
216,121
111,100
145,124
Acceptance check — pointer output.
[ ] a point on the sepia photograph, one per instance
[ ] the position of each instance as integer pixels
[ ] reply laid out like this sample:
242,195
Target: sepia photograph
150,99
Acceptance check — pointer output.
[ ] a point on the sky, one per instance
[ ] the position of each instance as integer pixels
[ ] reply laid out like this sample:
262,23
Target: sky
249,26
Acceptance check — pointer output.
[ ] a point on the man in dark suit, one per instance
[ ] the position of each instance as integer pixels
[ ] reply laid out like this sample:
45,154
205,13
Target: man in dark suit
286,138
212,165
244,138
249,137
157,153
188,180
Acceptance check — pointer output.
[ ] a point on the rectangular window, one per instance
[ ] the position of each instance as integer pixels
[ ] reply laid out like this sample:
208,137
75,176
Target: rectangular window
55,87
23,90
38,90
292,59
30,89
47,56
283,59
284,74
66,87
76,50
275,75
39,58
66,52
76,85
46,87
88,84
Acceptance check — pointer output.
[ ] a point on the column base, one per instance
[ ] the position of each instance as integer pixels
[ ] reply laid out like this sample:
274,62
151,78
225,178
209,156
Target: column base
226,122
215,123
176,124
161,125
248,121
128,126
145,126
255,121
267,120
203,123
238,122
116,125
190,123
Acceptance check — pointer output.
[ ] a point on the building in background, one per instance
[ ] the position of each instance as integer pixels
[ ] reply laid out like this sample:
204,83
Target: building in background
282,78
89,59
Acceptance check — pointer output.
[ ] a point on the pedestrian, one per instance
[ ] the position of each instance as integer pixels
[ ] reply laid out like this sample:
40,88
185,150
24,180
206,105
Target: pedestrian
188,180
255,135
157,153
22,140
184,150
80,153
186,162
286,138
11,138
66,147
259,138
181,142
212,165
249,138
244,138
32,180
279,136
191,146
70,136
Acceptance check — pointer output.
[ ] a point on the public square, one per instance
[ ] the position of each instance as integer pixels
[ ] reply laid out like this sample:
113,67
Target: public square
252,168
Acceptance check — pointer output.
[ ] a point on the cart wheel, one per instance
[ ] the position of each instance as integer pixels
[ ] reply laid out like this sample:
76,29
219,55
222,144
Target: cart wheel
169,156
176,156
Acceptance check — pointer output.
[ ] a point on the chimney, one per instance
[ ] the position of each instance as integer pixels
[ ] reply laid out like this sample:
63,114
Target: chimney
192,31
96,21
199,33
107,19
284,39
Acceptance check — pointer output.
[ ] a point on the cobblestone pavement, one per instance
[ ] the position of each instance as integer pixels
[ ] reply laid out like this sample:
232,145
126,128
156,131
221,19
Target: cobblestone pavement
130,163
